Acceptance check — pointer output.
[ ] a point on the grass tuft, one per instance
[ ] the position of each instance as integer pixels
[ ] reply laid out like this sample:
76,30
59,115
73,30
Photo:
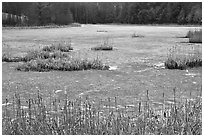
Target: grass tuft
104,45
178,58
63,47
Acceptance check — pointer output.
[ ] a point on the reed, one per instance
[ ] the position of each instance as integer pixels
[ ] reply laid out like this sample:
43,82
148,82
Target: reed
54,116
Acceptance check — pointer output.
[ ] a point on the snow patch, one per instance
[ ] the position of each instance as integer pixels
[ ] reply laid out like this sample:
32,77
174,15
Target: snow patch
88,91
143,70
130,105
6,104
159,65
57,91
113,67
191,74
194,82
24,107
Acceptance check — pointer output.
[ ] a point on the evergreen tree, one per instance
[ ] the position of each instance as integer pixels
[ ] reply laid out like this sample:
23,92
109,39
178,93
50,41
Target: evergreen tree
43,13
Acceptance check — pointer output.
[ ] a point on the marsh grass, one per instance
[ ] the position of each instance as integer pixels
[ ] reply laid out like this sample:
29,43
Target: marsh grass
106,44
183,57
33,55
62,64
82,116
54,57
60,61
63,47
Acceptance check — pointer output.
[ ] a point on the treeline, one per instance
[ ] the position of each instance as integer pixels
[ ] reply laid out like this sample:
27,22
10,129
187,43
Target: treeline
61,13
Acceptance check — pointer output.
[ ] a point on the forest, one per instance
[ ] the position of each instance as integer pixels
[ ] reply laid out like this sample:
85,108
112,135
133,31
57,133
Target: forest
63,13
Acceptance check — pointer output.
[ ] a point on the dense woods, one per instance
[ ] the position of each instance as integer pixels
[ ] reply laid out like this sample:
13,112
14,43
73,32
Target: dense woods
61,13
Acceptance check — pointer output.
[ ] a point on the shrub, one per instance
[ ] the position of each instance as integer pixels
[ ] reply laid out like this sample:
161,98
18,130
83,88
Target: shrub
177,59
196,36
75,24
189,34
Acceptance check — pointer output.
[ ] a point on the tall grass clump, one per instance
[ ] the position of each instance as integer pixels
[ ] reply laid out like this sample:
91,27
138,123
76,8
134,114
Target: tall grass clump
184,57
195,36
63,47
106,44
62,64
54,116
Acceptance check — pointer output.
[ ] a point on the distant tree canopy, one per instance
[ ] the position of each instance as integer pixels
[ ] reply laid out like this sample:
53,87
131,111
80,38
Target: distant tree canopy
43,13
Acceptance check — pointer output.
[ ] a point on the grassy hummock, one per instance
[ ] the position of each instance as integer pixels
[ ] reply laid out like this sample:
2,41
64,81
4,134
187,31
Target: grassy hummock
61,64
183,64
106,44
178,58
63,47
